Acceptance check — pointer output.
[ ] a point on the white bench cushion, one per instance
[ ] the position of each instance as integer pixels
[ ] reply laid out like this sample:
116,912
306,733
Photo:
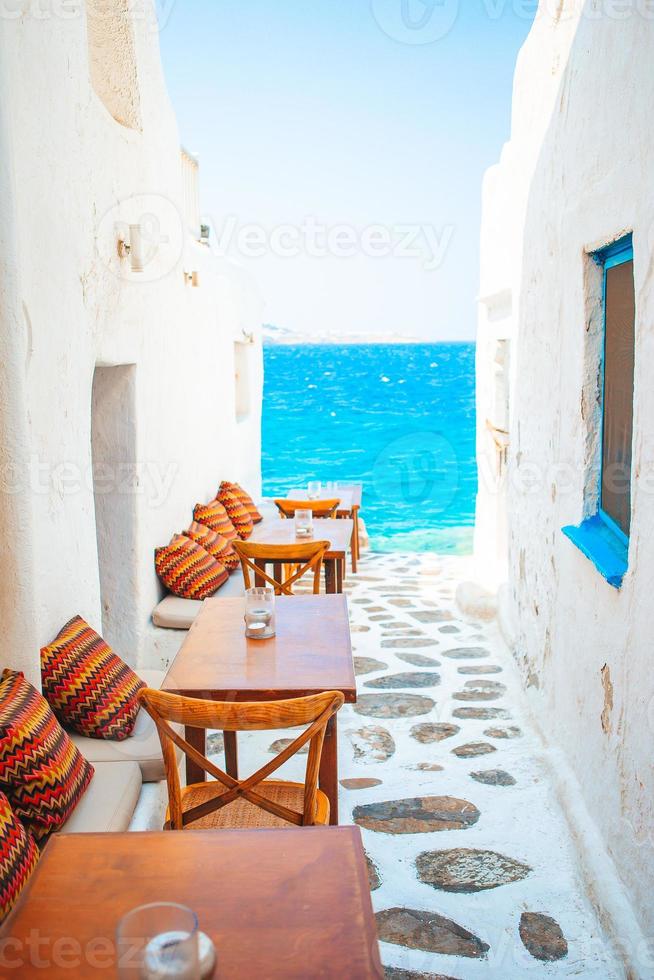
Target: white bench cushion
174,613
142,747
109,802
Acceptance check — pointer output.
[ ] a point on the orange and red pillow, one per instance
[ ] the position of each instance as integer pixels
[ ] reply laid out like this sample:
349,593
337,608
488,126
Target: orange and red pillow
41,770
237,513
88,686
244,497
18,857
187,570
215,517
218,547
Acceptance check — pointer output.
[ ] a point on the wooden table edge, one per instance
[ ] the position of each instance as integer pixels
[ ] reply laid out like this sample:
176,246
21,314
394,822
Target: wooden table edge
242,696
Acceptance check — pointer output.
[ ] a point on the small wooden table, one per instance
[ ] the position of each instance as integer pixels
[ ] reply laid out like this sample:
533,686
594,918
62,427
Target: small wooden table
311,653
339,533
282,904
350,496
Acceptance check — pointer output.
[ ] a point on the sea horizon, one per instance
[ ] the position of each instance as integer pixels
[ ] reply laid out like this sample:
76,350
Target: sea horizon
282,337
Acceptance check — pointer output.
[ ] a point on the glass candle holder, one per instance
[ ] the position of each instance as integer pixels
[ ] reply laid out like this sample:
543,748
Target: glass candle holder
303,524
260,614
314,489
331,487
159,942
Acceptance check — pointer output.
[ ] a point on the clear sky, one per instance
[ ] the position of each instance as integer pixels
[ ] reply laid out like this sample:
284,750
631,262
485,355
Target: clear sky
342,145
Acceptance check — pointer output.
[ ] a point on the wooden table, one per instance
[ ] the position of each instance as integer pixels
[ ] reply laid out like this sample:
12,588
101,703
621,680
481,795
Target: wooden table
350,496
339,533
311,653
292,904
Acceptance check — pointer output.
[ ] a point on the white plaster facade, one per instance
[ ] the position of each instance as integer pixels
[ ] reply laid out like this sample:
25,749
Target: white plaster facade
576,174
88,146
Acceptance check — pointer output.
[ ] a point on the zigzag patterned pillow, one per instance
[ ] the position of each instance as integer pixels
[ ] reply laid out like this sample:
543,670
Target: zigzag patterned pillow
187,570
88,686
41,771
218,547
244,497
18,857
238,514
214,516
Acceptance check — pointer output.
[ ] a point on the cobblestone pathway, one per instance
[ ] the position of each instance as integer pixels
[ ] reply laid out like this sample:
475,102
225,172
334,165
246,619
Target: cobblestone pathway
471,864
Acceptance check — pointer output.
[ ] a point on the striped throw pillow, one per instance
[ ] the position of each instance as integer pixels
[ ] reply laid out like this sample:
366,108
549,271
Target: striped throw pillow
88,686
214,516
41,771
187,570
18,857
218,547
245,499
238,514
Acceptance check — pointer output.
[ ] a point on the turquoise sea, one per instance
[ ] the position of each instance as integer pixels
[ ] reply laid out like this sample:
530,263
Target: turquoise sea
400,418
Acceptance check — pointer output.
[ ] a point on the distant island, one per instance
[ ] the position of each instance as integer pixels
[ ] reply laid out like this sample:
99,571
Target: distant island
273,334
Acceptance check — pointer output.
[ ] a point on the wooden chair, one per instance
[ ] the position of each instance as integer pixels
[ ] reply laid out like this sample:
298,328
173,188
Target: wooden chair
318,508
298,559
226,802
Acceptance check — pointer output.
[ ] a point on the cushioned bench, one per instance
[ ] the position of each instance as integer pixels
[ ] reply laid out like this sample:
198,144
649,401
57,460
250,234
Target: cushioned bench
116,799
109,803
142,747
173,613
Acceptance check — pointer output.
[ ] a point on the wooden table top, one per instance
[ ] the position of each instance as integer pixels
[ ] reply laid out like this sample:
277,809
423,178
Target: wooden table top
311,653
277,903
276,530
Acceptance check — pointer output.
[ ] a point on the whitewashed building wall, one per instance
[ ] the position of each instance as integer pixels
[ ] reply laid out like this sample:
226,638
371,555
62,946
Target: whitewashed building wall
88,146
576,175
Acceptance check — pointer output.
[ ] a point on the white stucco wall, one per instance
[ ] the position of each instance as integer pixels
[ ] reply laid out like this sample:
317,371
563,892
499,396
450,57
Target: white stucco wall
582,125
505,191
70,173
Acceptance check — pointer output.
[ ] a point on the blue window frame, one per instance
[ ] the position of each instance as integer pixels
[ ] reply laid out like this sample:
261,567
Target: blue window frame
604,537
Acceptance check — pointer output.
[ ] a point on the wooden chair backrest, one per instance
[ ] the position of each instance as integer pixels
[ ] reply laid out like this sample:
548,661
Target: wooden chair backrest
318,508
306,555
314,711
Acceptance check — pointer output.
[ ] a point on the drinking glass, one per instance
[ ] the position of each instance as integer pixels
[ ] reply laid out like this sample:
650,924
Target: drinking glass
158,942
331,487
314,489
303,524
260,613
